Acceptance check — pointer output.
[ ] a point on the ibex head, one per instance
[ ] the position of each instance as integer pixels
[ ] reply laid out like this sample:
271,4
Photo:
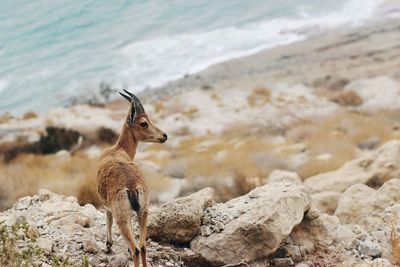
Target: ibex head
139,123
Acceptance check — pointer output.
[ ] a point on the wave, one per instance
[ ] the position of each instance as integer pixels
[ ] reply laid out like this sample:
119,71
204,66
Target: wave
157,61
3,85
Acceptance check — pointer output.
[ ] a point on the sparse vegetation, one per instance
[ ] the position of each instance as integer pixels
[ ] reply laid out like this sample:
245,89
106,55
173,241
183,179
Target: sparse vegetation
324,257
66,175
259,96
394,243
347,98
106,135
12,255
54,140
5,117
29,115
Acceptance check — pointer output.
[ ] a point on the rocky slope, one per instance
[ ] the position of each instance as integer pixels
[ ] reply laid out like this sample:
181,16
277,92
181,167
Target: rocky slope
276,224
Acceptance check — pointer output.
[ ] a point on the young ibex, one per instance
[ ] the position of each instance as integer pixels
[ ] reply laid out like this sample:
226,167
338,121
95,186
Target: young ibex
120,183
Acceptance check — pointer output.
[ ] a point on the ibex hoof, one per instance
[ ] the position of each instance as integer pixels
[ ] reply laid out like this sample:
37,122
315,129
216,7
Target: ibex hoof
108,247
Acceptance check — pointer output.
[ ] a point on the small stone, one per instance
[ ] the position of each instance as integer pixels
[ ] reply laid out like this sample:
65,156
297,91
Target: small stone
23,203
32,232
119,260
294,252
381,262
71,199
45,244
57,207
301,264
369,143
313,213
283,262
44,194
369,248
90,247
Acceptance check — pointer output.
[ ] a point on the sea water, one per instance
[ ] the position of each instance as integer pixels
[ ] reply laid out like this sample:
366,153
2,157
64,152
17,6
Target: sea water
54,51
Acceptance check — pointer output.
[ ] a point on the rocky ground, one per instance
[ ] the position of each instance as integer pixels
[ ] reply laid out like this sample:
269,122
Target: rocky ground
281,223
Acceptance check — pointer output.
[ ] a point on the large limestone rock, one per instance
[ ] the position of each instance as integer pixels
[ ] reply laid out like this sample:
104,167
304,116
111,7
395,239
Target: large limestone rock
377,212
252,226
179,220
360,202
373,169
62,229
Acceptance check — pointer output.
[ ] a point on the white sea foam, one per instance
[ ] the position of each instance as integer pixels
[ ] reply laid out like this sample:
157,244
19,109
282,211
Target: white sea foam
3,85
156,61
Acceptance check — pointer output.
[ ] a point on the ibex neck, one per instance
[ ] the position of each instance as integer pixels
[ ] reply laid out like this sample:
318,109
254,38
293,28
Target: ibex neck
127,142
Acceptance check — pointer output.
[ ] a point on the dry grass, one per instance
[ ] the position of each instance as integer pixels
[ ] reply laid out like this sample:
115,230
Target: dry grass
29,115
314,166
394,242
325,257
190,112
259,96
347,98
106,135
159,106
231,165
338,137
5,118
29,173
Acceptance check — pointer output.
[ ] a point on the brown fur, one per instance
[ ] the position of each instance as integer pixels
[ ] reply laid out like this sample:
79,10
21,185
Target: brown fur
118,174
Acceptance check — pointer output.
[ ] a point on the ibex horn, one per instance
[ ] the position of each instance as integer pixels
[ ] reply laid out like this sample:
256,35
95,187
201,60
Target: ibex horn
139,106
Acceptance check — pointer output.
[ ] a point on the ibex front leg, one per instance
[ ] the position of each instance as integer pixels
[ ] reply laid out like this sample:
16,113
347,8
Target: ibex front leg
142,219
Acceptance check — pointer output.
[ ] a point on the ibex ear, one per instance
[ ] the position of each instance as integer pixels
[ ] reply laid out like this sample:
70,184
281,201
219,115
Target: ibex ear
132,113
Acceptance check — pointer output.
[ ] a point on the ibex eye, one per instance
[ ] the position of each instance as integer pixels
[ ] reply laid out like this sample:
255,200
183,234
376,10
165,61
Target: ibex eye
144,124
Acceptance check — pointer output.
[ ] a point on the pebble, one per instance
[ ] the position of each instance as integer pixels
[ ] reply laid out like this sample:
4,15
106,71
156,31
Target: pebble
283,262
119,260
369,248
90,247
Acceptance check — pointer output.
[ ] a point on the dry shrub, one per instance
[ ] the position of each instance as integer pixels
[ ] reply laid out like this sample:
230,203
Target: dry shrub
87,190
302,132
5,118
29,115
394,243
157,182
159,106
106,135
215,97
314,166
339,136
61,174
232,166
259,96
56,139
331,83
348,98
324,257
190,112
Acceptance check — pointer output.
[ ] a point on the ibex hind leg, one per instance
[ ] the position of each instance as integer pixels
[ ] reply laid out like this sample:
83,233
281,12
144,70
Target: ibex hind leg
142,220
122,211
143,200
109,231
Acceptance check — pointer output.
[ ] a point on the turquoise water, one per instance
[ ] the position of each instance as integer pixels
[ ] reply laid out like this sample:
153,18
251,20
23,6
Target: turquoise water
54,51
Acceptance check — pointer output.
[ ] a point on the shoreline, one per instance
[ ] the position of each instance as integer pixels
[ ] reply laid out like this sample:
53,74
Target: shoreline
284,63
218,72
